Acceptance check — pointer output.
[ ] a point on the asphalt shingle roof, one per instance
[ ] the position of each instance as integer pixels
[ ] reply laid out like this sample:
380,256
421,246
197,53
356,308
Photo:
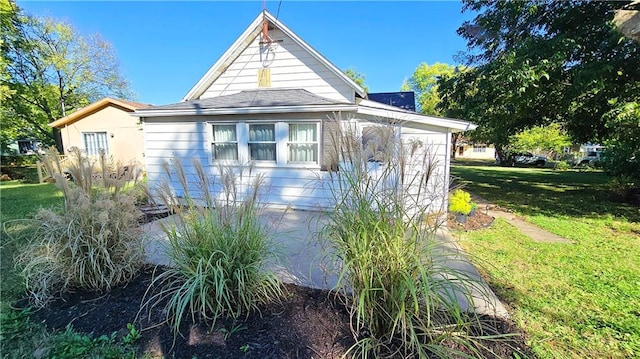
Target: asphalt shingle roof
253,98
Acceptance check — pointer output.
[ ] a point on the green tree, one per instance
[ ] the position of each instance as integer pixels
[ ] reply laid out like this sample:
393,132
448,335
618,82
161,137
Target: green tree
424,83
538,63
357,77
549,139
49,71
622,153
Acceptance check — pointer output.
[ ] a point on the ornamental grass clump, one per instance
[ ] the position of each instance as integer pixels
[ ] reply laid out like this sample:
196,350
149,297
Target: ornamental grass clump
400,290
218,248
94,242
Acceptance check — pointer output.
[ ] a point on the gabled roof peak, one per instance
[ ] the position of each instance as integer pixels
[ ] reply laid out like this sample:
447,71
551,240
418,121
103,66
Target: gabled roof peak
245,39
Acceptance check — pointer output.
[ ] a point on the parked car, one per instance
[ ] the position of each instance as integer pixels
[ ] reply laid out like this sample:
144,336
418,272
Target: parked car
528,159
589,159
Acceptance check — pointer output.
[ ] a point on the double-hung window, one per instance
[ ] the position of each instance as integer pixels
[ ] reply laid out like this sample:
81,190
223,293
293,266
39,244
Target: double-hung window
479,148
303,143
94,142
262,142
225,142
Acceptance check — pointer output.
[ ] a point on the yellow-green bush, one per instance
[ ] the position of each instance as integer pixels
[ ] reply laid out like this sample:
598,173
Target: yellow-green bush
460,202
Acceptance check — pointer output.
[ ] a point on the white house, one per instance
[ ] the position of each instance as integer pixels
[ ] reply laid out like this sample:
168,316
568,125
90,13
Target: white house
269,100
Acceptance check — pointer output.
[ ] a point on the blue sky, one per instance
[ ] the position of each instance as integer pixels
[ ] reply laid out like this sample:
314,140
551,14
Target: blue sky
165,47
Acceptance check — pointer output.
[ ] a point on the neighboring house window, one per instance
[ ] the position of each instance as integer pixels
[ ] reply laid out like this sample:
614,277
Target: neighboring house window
303,143
479,148
94,142
225,142
262,142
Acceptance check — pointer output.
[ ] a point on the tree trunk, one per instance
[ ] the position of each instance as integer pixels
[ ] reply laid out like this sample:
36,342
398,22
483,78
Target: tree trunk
57,135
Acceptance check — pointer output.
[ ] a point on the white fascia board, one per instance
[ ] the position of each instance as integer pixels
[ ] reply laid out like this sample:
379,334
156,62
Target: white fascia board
225,60
244,40
372,108
244,110
323,60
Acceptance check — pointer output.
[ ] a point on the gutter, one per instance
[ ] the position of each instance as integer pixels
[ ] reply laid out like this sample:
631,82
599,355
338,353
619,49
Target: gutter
243,110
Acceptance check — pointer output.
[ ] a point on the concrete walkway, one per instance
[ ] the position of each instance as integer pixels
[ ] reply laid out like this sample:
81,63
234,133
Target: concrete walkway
304,261
534,232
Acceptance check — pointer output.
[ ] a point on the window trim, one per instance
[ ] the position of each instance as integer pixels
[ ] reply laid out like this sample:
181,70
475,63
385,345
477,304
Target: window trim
274,142
211,126
316,142
84,142
281,128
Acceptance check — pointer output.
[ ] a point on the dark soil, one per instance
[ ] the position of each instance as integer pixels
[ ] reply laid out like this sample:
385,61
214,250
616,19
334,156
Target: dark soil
478,221
309,323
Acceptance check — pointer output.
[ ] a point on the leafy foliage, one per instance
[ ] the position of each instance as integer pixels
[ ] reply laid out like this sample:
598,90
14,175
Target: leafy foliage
622,152
424,83
550,139
49,70
357,78
460,202
537,63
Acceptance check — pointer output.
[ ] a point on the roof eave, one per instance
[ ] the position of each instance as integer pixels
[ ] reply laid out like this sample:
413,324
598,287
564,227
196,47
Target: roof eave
89,110
244,110
451,124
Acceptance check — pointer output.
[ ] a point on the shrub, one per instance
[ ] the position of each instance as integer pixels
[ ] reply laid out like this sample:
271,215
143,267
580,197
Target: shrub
460,202
219,250
94,243
394,275
562,166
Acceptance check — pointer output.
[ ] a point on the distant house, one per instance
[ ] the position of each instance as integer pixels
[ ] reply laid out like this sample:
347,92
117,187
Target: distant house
268,100
105,125
475,151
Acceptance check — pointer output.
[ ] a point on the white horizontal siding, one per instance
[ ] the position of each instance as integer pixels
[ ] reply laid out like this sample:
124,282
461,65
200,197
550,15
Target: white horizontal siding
291,67
185,140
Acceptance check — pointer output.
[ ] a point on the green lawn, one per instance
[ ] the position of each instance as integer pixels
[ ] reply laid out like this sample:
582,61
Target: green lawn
577,300
19,337
19,201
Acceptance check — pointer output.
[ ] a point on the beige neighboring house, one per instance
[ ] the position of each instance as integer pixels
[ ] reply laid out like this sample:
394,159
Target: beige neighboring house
106,124
475,151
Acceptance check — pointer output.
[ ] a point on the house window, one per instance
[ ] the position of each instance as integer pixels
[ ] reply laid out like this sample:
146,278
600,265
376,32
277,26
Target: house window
94,142
377,142
479,148
225,142
303,143
262,142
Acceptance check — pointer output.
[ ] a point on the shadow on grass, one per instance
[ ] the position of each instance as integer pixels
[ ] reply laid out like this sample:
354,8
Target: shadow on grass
545,191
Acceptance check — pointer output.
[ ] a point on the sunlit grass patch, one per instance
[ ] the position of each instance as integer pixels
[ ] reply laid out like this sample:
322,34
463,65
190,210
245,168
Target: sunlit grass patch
575,300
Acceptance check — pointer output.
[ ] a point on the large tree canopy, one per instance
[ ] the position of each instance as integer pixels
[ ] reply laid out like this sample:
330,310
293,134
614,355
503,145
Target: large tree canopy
48,71
536,62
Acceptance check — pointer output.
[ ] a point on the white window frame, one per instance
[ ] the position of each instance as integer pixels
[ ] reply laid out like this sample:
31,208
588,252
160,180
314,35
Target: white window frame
274,142
281,140
316,142
97,142
211,131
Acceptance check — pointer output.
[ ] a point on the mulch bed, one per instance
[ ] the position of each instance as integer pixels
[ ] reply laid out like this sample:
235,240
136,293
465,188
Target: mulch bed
309,323
478,221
